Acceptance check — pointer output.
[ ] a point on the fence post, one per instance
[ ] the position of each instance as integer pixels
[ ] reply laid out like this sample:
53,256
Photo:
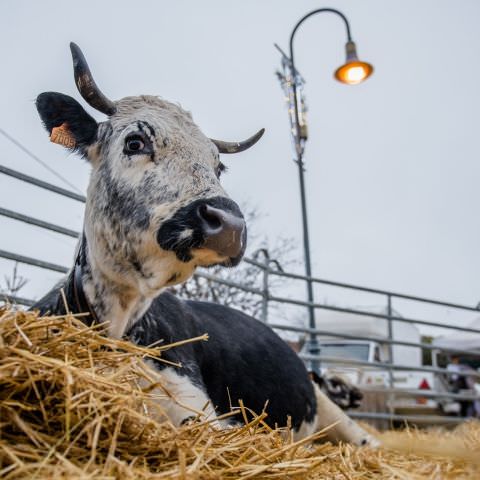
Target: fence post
265,266
391,396
265,292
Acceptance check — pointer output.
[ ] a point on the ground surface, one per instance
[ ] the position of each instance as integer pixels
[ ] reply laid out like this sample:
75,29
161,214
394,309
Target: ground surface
71,407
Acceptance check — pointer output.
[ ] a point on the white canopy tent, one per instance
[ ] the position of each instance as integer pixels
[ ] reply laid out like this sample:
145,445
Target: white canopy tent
460,340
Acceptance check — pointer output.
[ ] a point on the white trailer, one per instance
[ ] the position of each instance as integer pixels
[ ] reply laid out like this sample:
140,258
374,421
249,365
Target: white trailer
366,326
337,351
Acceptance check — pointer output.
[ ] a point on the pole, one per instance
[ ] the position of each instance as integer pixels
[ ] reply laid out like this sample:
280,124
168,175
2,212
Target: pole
313,346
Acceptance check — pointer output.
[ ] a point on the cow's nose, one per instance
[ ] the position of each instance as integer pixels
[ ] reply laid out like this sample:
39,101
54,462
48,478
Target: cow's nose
223,231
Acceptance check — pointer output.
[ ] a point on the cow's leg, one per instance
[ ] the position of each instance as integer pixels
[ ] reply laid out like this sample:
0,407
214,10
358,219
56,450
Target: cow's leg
180,397
346,429
183,398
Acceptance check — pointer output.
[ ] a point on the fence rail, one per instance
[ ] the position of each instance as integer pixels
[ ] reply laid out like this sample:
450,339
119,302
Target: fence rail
328,333
32,261
270,267
38,223
40,183
371,290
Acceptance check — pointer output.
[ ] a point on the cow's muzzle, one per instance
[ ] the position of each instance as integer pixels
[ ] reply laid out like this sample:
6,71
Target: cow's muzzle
223,231
215,224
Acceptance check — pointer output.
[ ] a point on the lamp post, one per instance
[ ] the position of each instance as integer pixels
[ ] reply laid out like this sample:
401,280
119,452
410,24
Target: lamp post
351,73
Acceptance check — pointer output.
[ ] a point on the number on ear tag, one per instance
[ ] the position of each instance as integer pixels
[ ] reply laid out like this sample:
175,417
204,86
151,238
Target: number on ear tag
63,136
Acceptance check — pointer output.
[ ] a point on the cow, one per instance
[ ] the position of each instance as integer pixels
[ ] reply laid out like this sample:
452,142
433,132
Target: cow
155,211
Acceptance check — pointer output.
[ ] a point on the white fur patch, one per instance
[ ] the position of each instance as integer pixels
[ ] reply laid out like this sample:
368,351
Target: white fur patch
185,234
180,398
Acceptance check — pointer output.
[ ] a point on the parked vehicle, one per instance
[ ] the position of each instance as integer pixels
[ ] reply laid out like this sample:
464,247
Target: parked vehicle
364,363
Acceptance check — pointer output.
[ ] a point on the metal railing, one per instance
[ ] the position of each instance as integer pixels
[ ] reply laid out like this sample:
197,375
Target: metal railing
270,268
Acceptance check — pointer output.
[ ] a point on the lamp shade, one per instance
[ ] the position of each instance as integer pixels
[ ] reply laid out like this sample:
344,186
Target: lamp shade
353,71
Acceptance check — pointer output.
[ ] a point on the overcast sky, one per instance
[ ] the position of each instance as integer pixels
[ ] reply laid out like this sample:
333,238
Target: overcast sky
392,164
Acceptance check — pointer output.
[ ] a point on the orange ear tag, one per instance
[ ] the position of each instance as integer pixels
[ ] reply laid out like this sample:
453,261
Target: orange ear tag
63,136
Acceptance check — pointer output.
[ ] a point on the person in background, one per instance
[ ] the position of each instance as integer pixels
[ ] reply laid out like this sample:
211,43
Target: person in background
460,382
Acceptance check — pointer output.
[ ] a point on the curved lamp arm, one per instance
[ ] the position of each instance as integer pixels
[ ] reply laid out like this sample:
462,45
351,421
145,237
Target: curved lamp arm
314,12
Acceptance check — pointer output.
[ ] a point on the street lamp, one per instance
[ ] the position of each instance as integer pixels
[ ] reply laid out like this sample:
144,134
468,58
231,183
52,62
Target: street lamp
351,73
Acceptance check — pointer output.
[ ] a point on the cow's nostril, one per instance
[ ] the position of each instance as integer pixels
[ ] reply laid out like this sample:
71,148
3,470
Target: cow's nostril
212,218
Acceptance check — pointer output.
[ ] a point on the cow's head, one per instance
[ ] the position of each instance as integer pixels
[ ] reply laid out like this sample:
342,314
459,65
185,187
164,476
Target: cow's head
155,206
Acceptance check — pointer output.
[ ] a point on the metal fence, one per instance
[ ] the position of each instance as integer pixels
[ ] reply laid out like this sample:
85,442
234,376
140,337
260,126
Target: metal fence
270,268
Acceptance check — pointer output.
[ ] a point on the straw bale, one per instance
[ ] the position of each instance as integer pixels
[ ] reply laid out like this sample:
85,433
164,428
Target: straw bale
75,404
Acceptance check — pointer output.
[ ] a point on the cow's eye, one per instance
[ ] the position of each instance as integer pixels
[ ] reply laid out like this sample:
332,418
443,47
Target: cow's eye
220,169
134,144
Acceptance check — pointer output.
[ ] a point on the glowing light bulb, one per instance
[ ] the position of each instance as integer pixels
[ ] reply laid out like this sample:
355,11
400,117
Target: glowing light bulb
353,73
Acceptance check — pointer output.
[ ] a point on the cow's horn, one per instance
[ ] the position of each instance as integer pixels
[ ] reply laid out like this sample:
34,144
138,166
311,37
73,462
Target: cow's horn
235,147
86,84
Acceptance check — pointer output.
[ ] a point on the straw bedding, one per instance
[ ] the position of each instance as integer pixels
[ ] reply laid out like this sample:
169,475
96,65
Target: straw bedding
75,404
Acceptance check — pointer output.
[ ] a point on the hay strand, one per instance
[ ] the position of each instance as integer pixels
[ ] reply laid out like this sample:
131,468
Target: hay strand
71,407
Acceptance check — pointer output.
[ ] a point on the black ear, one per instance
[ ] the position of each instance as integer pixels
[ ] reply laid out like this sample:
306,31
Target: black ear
56,109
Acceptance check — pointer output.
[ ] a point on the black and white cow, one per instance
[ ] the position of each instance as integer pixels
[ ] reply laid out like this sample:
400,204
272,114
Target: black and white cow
155,211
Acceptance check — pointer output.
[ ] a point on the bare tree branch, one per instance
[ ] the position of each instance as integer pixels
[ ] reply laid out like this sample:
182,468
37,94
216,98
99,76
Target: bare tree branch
14,283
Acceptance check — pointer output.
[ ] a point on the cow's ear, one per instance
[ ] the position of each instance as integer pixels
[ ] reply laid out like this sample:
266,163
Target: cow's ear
66,121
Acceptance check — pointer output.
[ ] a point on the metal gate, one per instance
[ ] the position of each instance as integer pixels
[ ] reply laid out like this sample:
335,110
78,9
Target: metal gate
270,268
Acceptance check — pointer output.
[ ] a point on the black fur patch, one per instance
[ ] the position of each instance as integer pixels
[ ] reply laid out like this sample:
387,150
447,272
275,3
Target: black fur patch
243,359
169,234
56,109
126,206
145,126
53,303
343,394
